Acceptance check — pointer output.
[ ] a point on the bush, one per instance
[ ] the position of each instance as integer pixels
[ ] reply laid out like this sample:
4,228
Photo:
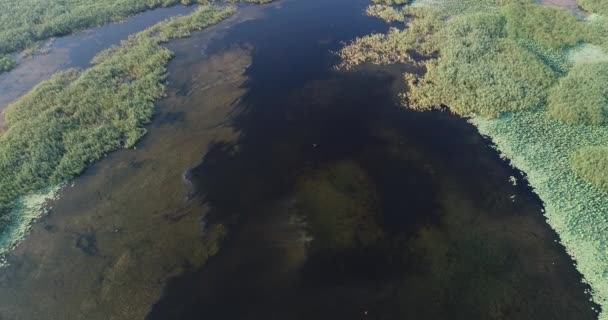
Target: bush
6,63
591,164
548,27
481,71
581,97
595,6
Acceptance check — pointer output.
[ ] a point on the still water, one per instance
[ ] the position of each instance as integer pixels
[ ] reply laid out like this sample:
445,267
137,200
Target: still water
272,186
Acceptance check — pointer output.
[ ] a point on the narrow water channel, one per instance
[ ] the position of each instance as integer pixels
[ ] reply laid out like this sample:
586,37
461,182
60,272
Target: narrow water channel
321,197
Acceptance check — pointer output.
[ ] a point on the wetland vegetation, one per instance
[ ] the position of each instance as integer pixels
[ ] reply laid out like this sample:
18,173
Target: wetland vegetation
77,117
530,77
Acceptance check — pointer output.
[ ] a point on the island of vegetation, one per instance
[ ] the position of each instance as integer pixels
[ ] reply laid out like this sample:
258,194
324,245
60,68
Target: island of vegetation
77,117
530,77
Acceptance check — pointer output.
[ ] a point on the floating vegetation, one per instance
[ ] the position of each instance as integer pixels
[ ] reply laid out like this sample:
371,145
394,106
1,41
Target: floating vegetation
543,148
533,79
17,222
77,117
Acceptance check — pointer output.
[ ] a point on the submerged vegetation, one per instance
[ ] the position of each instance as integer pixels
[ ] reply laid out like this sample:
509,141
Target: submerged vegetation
77,117
533,78
339,205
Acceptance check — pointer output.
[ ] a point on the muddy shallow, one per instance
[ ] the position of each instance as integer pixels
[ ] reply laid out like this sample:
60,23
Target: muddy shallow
324,198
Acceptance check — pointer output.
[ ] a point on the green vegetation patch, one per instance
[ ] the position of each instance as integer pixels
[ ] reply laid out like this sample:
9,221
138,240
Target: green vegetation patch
6,63
595,6
386,13
591,164
481,71
581,97
548,27
77,117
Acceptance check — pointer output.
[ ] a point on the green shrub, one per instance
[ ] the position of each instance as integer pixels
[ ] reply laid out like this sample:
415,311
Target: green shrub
591,164
548,27
386,13
581,97
595,6
6,63
481,71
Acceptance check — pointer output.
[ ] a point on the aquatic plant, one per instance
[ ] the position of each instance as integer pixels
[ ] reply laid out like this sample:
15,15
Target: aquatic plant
77,117
545,150
386,13
6,63
581,97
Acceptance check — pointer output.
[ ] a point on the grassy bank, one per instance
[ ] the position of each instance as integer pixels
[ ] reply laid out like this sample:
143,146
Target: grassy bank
533,79
77,117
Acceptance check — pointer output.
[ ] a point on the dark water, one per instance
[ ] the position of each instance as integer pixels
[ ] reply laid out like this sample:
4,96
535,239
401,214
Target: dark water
337,203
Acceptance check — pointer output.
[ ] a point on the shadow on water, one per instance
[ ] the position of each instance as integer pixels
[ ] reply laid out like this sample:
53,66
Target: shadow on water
341,205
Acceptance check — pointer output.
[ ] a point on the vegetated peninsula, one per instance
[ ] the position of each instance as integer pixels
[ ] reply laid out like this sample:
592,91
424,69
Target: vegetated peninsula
533,79
77,117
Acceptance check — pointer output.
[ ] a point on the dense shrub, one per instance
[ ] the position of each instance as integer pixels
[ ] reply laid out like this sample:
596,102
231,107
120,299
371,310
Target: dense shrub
549,27
581,97
591,164
386,13
481,71
6,63
75,118
595,6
